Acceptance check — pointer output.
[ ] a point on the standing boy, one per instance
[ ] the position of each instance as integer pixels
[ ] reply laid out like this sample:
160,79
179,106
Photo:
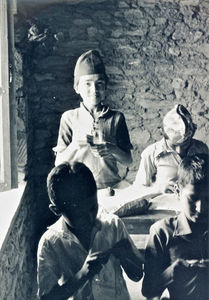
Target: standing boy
177,253
81,255
93,133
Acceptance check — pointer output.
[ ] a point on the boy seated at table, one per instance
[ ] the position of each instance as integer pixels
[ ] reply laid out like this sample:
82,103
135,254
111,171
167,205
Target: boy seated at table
177,253
93,133
81,255
159,161
157,173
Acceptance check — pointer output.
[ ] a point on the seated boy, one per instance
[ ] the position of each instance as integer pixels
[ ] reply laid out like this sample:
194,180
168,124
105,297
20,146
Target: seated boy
81,255
177,253
159,161
93,133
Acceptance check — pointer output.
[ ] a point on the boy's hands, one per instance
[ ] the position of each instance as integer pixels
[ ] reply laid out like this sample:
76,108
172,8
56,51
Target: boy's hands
181,264
103,149
177,267
168,187
196,263
94,263
131,263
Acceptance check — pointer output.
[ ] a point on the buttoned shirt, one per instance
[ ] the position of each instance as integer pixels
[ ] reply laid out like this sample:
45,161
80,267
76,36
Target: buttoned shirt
61,256
170,239
159,162
108,126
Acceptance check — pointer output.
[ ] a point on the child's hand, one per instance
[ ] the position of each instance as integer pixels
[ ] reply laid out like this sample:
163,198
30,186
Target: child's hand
129,260
101,150
196,263
169,187
178,266
94,263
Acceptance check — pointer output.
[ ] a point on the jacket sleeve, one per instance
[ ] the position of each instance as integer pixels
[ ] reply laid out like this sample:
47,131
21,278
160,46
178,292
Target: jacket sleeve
47,273
156,262
122,134
147,169
132,259
65,133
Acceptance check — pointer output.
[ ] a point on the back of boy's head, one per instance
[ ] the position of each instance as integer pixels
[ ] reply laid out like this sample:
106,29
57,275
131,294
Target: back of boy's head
89,63
74,181
194,170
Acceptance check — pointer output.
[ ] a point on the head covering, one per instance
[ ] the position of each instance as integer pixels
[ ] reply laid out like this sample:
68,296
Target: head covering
89,63
178,125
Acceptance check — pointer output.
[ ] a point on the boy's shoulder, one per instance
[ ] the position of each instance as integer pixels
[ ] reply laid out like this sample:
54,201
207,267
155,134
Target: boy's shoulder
198,146
106,217
165,227
54,232
71,112
113,113
171,227
109,220
156,147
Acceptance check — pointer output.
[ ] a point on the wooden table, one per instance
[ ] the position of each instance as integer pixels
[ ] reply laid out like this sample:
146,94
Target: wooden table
138,226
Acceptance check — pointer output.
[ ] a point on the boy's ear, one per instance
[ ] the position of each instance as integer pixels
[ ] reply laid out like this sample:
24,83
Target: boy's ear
76,87
55,209
76,90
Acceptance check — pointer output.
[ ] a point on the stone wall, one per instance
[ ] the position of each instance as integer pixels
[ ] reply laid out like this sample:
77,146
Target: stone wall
17,263
156,55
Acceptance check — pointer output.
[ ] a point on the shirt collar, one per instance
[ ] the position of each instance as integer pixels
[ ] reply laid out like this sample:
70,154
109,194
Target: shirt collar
104,111
162,147
182,226
61,228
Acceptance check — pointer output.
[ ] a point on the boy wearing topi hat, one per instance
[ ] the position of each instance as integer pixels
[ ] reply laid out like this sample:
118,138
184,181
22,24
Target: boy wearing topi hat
159,161
93,133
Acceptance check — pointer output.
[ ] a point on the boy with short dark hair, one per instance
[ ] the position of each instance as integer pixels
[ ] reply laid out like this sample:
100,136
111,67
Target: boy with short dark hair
81,255
93,133
177,253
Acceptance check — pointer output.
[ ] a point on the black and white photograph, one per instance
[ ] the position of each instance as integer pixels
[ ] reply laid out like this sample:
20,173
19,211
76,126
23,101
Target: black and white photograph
104,149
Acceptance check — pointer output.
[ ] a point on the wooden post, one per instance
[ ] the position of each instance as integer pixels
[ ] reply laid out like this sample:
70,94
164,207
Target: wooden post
8,166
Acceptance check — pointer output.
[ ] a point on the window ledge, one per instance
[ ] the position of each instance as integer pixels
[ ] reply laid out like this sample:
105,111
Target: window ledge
9,203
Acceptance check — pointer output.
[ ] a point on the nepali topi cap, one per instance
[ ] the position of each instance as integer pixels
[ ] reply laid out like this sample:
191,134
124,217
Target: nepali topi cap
178,125
89,63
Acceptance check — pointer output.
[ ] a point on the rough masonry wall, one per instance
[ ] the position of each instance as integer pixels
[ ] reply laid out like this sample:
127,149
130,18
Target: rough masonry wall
156,55
17,263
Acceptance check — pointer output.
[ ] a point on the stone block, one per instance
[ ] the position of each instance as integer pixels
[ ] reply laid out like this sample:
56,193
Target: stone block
82,22
92,31
189,2
204,49
134,17
123,4
160,21
139,136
